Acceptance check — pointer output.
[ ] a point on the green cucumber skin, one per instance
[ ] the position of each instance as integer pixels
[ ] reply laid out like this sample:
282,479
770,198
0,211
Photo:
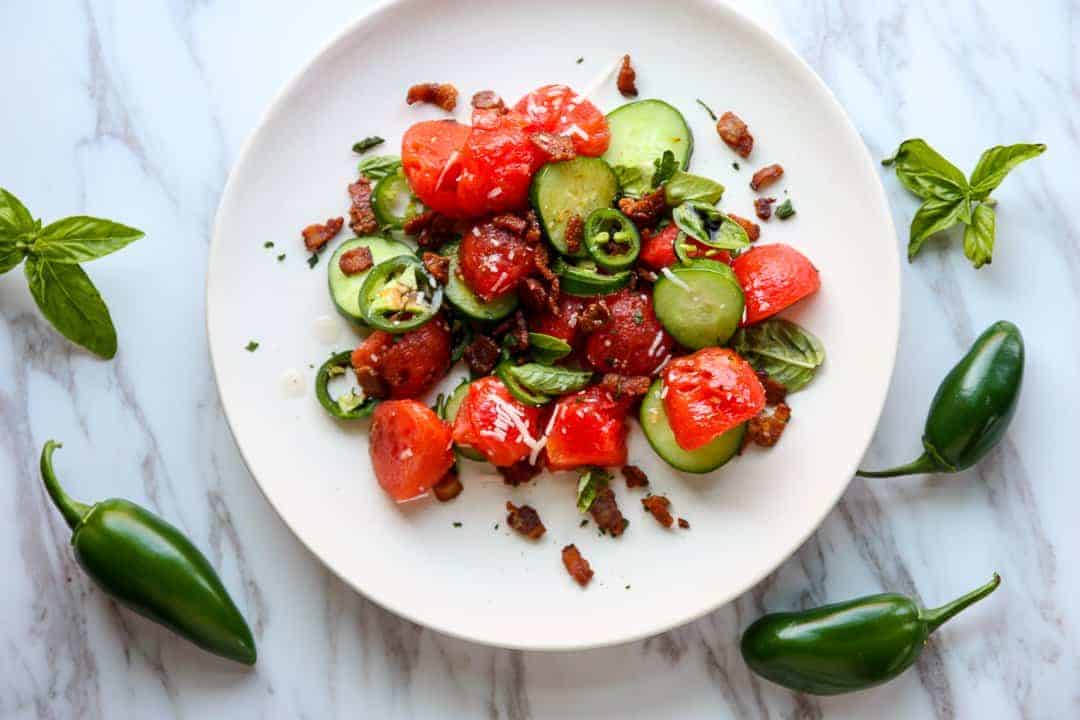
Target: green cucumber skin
345,289
659,434
574,284
462,297
625,149
717,317
554,219
452,404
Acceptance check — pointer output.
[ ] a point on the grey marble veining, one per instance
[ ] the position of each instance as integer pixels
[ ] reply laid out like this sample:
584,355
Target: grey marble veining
138,110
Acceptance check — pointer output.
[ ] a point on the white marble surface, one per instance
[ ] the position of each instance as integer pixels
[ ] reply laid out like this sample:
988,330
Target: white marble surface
137,110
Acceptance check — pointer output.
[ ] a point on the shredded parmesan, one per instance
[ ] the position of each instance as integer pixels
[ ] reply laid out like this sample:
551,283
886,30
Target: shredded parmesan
600,79
476,230
656,342
575,130
663,392
450,161
666,272
494,193
499,283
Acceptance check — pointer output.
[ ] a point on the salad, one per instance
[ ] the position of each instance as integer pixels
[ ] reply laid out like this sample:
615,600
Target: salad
585,277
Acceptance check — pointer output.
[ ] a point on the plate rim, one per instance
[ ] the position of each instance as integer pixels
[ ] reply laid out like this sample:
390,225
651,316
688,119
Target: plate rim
764,35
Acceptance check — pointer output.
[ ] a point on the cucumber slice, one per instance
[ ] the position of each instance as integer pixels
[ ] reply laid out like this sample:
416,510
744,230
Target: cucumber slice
658,432
700,305
572,187
393,202
640,133
461,296
345,289
450,411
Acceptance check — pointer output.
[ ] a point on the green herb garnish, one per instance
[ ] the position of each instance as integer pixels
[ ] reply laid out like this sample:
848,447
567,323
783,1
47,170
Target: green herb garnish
579,61
785,209
367,143
281,257
707,109
457,524
592,481
377,167
268,244
313,260
665,167
252,346
782,350
735,165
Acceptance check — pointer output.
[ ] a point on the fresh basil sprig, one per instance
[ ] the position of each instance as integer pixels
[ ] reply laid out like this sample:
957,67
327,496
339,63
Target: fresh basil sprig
697,219
782,350
683,186
547,349
549,379
950,198
62,290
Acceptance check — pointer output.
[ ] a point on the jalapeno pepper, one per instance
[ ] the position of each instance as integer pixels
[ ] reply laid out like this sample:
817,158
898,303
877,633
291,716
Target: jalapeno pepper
399,295
350,406
973,405
846,646
583,279
149,566
391,195
611,239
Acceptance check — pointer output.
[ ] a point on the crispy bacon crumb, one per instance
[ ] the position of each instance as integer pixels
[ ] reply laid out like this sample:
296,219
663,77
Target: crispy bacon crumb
430,228
575,233
684,523
356,261
449,487
627,76
658,505
622,386
361,215
525,520
594,317
735,134
532,234
765,429
481,355
646,211
605,511
576,565
753,230
488,100
519,473
763,207
635,476
443,95
533,295
438,266
514,224
370,382
774,392
316,235
766,176
556,147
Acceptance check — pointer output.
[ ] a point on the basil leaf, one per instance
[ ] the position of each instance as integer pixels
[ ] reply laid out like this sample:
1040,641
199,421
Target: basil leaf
691,217
15,219
592,481
548,380
690,222
80,238
782,350
68,298
630,179
934,216
547,349
665,167
377,167
11,253
926,173
979,236
367,143
996,163
683,186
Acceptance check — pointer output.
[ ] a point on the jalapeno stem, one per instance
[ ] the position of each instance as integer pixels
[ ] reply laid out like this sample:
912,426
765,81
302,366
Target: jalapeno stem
924,464
72,510
938,616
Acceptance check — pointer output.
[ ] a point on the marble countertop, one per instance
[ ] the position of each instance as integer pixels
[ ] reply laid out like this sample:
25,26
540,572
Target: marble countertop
137,111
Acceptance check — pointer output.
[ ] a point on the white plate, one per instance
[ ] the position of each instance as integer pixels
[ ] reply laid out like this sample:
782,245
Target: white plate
475,581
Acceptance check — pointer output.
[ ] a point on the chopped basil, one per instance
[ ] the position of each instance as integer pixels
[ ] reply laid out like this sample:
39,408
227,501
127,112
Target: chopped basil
579,61
457,524
592,481
665,167
639,319
313,260
785,210
281,257
584,522
377,167
735,165
707,109
268,244
367,143
549,380
252,346
547,349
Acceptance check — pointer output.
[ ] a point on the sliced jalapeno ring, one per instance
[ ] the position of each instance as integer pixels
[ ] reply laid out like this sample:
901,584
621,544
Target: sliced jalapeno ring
611,239
393,202
350,406
584,280
399,295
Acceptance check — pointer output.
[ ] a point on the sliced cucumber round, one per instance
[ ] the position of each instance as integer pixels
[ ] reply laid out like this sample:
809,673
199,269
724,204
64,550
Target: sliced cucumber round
700,305
640,133
461,296
658,432
450,410
345,289
572,187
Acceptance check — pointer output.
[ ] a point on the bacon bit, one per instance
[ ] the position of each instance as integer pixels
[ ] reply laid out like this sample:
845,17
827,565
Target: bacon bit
646,211
516,328
438,266
775,392
443,95
488,100
575,233
765,430
449,487
627,76
361,215
620,386
684,523
418,223
635,476
511,223
595,316
356,261
431,229
766,176
753,231
763,207
645,274
551,295
316,235
370,382
533,296
525,520
540,260
532,234
556,147
658,506
735,134
481,355
519,473
605,511
576,565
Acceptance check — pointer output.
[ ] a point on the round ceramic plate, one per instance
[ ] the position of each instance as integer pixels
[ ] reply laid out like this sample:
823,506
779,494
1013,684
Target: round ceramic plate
456,567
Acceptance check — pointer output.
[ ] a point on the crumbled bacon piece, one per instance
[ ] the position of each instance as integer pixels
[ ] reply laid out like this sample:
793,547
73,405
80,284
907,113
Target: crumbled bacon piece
420,222
356,261
449,487
753,231
658,506
533,296
370,382
635,476
644,273
438,266
627,76
443,95
595,316
735,134
488,100
532,234
551,295
575,233
684,523
766,429
763,207
516,328
556,147
525,520
621,386
430,228
514,224
316,235
576,565
519,473
646,211
774,392
605,511
361,215
766,176
540,260
481,355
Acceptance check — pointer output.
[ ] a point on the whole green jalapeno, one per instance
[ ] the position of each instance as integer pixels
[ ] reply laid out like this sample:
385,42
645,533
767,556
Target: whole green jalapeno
973,405
150,567
846,646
